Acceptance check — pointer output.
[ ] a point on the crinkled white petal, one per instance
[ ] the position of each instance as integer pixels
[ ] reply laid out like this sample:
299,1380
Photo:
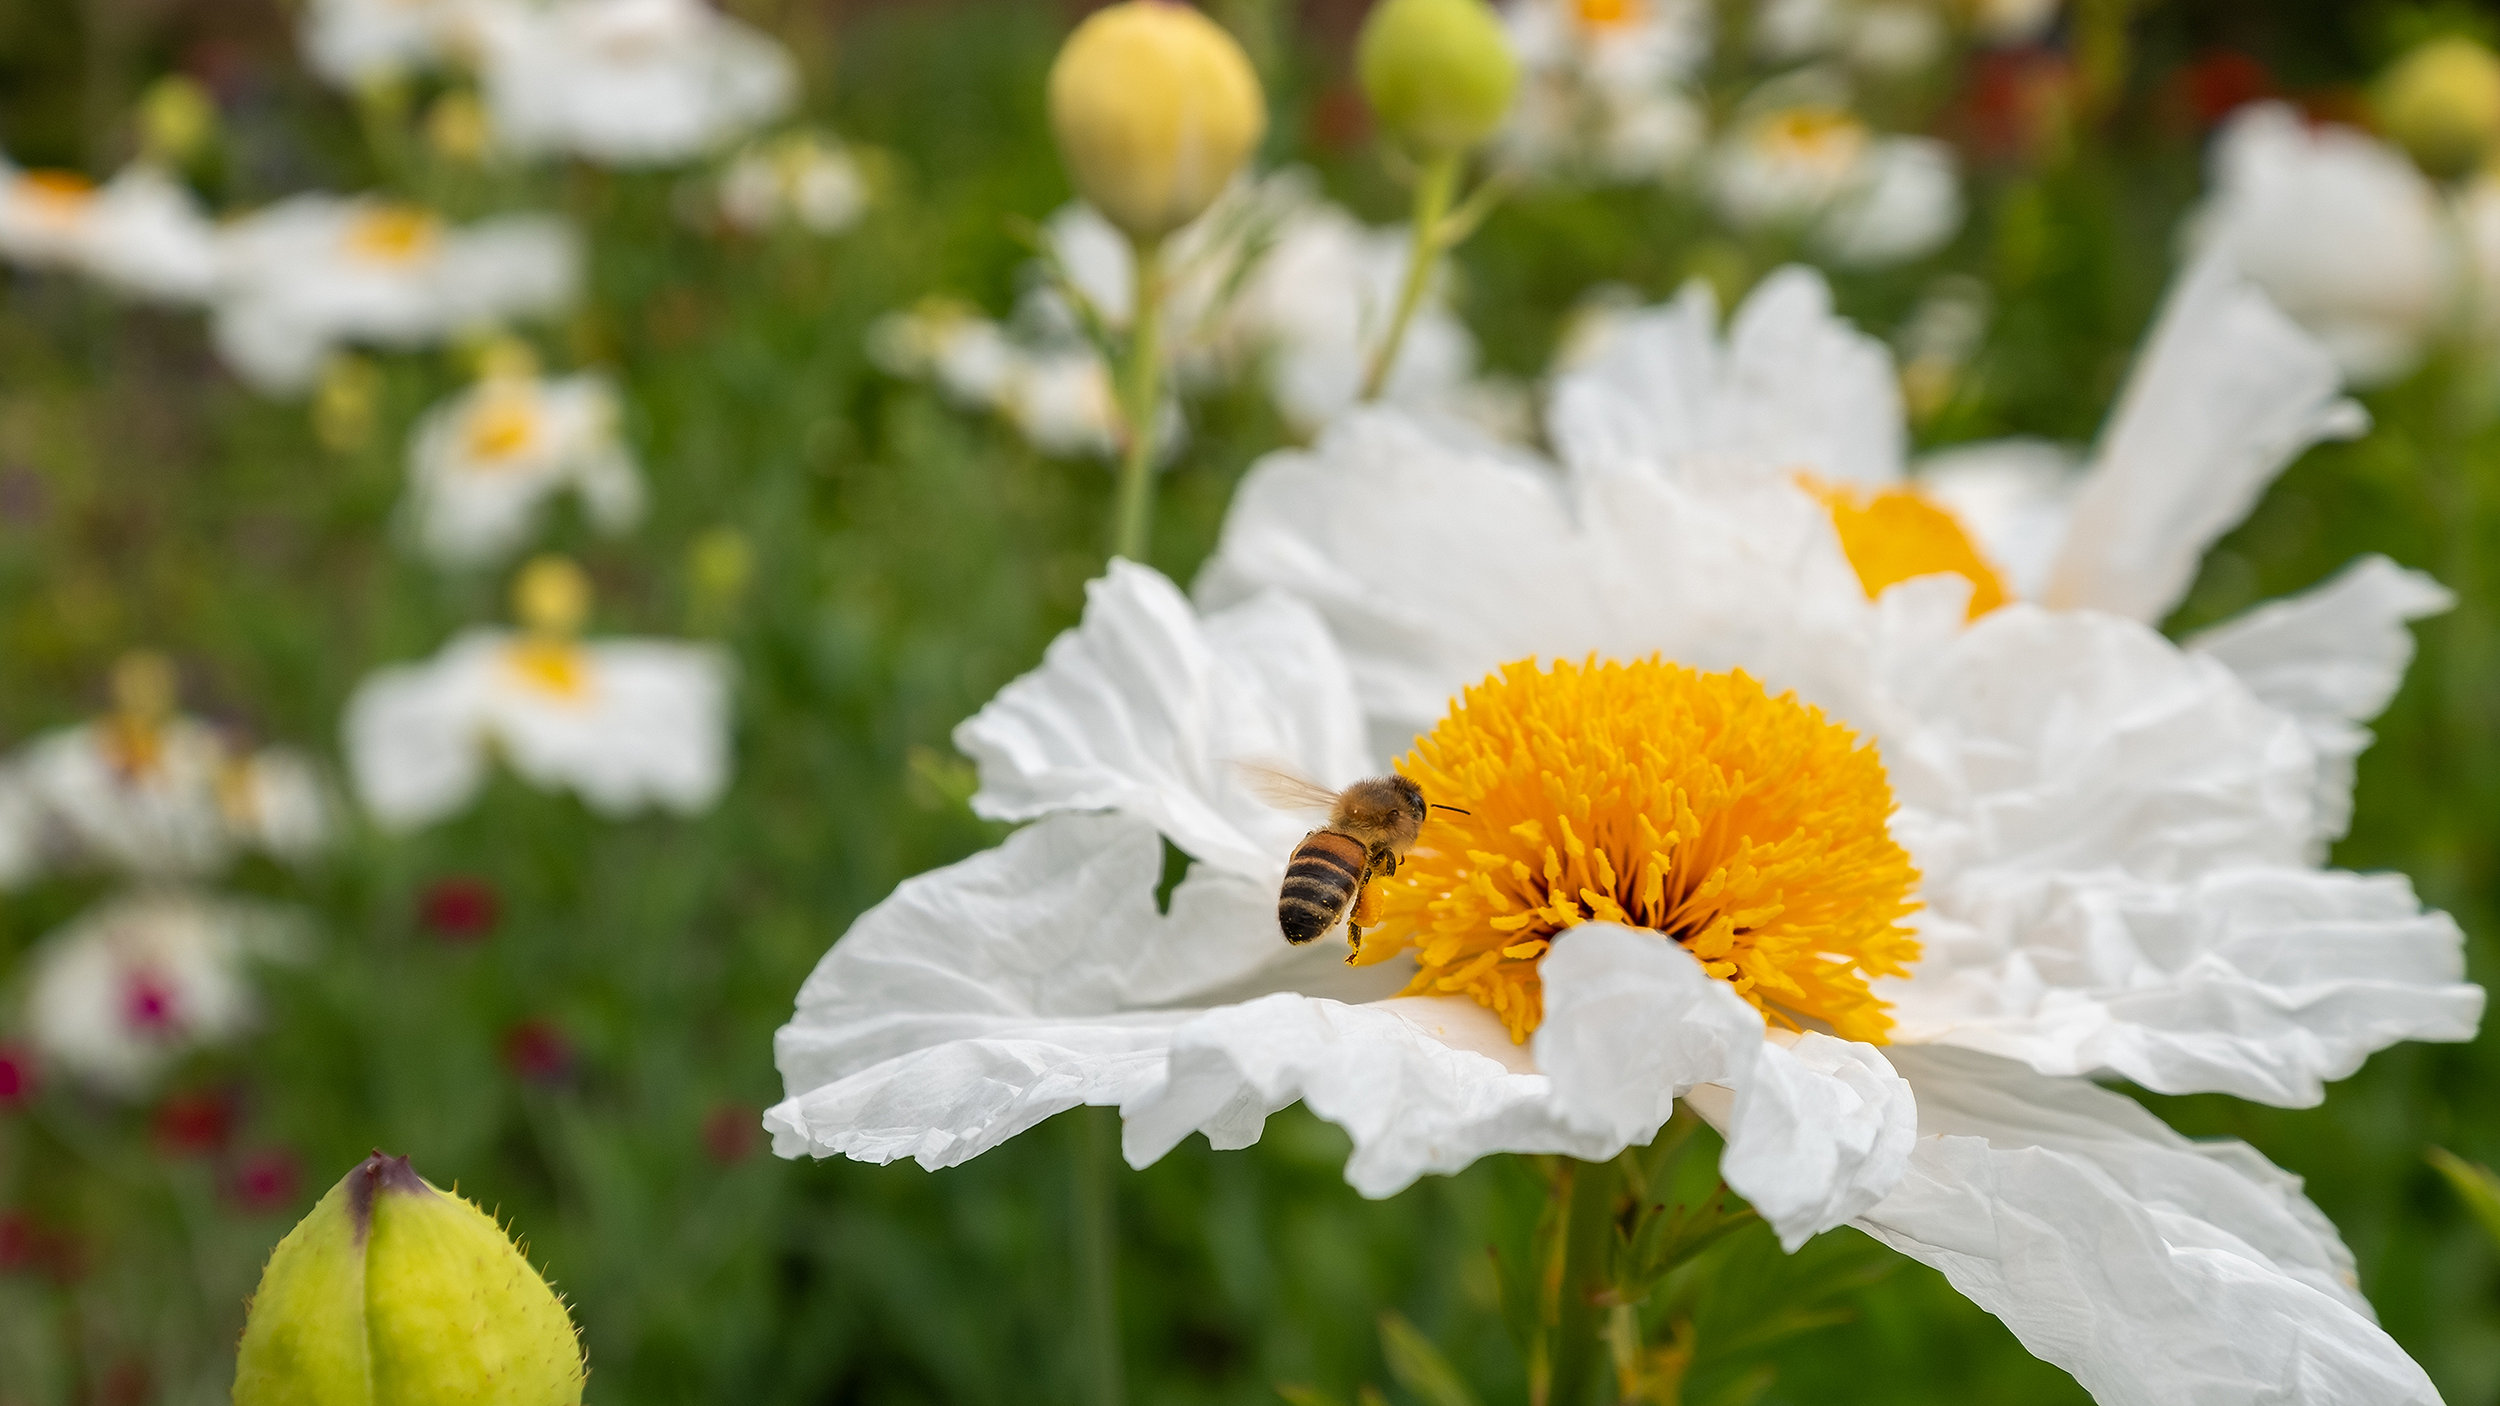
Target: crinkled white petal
2331,658
983,997
2156,1270
1423,1084
1794,387
1819,1128
1145,708
415,752
2227,392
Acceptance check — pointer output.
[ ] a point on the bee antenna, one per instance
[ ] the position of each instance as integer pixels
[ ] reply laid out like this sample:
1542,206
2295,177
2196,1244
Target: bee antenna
1452,809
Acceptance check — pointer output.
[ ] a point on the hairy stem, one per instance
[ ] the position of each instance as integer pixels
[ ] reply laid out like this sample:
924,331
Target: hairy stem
1578,1351
1142,394
1434,189
1096,1230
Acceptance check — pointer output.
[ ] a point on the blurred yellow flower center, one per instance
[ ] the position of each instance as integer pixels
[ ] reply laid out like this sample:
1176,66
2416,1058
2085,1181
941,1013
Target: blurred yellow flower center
1748,828
553,666
1825,138
57,195
1607,14
1893,534
504,424
394,234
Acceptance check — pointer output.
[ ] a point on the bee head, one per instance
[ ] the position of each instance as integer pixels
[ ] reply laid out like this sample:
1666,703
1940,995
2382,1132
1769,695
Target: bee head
1410,797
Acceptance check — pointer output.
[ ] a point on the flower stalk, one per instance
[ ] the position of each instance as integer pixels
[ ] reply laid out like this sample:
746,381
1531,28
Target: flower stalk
1435,187
1141,382
1096,1231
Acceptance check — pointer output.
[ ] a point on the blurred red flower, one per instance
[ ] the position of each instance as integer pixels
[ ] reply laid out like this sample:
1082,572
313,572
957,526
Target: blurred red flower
2221,80
537,1052
460,908
195,1122
265,1181
731,1133
17,1076
27,1246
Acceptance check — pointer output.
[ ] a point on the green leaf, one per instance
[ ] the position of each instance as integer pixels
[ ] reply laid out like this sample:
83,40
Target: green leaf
1419,1366
2475,1185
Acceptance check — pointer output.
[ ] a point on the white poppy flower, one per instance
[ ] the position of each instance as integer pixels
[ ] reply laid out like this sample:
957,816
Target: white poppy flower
1858,196
482,467
2340,228
802,180
2044,845
121,993
141,233
1602,86
625,724
353,42
310,273
154,794
628,82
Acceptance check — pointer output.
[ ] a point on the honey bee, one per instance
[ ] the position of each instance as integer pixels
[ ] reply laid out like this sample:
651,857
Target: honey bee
1371,825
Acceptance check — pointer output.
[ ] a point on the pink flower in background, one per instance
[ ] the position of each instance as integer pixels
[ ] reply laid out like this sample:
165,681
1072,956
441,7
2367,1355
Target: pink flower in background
19,1078
265,1181
195,1122
538,1052
460,908
731,1133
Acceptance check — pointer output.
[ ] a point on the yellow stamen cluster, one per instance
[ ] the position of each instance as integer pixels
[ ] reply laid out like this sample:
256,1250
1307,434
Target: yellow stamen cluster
1893,534
1751,829
504,424
394,234
1823,138
1608,14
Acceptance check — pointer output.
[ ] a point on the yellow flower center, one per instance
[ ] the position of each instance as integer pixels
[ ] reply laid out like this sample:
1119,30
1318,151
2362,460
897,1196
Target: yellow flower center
394,234
57,196
1748,828
552,665
504,424
1607,14
1827,139
1893,534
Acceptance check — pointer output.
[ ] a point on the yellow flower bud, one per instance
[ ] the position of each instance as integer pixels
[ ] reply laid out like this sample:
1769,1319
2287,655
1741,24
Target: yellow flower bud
1439,73
457,129
2442,102
392,1293
552,596
176,119
1154,108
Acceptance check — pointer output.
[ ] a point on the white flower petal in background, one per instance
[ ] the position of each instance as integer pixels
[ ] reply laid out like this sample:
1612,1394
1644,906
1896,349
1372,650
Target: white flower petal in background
2339,228
1604,88
315,272
169,799
483,466
2155,1269
1906,205
119,995
351,43
1801,161
625,724
800,180
141,233
627,82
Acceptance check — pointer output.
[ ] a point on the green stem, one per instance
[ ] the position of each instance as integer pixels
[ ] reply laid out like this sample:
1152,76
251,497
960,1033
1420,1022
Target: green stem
1096,1231
1577,1349
1434,188
1142,384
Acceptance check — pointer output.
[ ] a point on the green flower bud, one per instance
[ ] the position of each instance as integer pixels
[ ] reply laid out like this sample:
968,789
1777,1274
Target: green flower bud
2442,102
392,1293
177,119
1439,73
1154,108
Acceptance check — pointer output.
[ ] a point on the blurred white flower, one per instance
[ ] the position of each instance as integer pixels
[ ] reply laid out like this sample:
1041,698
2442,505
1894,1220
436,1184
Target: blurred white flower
627,82
151,793
2341,229
1603,86
1857,196
119,995
141,233
350,43
1893,37
802,180
482,466
308,274
625,724
2156,914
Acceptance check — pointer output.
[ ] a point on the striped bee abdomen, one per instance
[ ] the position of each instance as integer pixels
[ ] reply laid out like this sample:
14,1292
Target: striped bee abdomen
1320,883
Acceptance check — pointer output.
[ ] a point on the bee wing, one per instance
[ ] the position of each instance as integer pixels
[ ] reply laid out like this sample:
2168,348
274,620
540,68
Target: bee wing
1283,787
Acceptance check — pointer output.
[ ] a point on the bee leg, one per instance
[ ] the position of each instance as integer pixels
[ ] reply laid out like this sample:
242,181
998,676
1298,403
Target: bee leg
1354,943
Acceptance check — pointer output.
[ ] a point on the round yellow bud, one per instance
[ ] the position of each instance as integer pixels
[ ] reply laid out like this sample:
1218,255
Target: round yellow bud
1154,108
1439,73
176,119
2442,103
552,596
392,1293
